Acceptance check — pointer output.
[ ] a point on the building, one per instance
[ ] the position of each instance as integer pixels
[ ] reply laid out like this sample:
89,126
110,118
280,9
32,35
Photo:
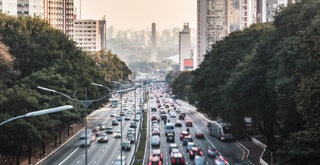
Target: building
59,13
185,58
154,57
9,7
90,35
21,7
267,9
212,24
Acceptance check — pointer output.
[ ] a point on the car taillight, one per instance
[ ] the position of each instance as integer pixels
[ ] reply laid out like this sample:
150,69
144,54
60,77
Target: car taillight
209,151
221,137
221,157
152,131
226,162
181,136
216,150
173,160
161,156
150,163
191,153
200,152
182,160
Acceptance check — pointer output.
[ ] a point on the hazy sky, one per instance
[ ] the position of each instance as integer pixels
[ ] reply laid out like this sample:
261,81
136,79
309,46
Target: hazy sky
139,14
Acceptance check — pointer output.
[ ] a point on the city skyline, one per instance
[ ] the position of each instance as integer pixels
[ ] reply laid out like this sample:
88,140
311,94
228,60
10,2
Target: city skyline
140,14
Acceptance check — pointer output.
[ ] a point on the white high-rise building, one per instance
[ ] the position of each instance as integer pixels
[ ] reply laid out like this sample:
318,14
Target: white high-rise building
21,7
90,35
185,55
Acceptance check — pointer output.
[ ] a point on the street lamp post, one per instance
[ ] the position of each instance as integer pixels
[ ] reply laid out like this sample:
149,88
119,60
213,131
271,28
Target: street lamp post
85,103
38,113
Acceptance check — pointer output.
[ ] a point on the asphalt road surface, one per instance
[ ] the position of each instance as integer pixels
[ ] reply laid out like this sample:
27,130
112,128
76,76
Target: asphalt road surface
98,153
232,151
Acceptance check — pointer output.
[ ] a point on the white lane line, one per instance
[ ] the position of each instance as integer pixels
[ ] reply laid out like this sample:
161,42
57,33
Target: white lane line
69,156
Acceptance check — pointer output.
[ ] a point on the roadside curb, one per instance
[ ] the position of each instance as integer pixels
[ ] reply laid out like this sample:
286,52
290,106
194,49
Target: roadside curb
248,151
55,150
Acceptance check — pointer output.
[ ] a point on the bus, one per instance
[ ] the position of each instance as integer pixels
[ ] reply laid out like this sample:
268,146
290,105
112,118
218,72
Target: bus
220,129
114,103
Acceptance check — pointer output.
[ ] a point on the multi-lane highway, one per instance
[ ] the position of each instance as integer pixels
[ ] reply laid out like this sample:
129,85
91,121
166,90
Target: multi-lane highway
98,153
232,151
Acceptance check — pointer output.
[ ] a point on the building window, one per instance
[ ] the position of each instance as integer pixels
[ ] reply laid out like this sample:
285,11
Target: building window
26,12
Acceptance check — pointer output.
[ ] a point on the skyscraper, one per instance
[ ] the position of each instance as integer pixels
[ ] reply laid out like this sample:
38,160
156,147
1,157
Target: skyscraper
212,24
59,13
154,57
185,59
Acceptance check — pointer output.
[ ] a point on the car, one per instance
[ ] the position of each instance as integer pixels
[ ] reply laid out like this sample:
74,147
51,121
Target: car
173,115
163,117
118,118
157,153
153,117
159,105
102,126
183,134
155,131
188,123
121,114
178,124
118,160
83,134
199,160
112,114
136,119
213,152
138,111
130,131
115,122
174,151
130,138
199,134
190,145
153,109
155,141
127,117
220,160
92,137
172,146
103,138
117,134
178,110
187,139
83,142
126,145
169,128
181,117
155,160
195,151
109,130
170,137
177,159
96,131
133,125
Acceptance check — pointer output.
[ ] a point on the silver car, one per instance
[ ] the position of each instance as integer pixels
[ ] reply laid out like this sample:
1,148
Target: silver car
199,160
155,141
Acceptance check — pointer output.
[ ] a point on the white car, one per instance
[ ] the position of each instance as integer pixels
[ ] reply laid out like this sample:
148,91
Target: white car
155,141
118,161
117,134
112,114
173,115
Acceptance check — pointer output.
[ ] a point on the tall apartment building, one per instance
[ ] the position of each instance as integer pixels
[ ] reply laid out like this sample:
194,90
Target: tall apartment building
90,35
212,24
154,57
21,7
185,58
59,13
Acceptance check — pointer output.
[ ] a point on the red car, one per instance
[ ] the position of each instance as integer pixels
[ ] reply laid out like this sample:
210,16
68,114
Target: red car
181,117
188,123
199,134
157,153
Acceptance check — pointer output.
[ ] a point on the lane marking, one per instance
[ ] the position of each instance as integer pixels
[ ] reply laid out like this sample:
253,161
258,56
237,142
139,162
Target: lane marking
69,156
243,151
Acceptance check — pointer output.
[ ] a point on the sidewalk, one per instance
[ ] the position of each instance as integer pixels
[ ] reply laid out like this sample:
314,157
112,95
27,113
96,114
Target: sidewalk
255,151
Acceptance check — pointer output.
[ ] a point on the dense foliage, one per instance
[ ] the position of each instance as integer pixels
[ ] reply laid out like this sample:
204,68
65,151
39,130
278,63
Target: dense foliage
269,72
32,54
